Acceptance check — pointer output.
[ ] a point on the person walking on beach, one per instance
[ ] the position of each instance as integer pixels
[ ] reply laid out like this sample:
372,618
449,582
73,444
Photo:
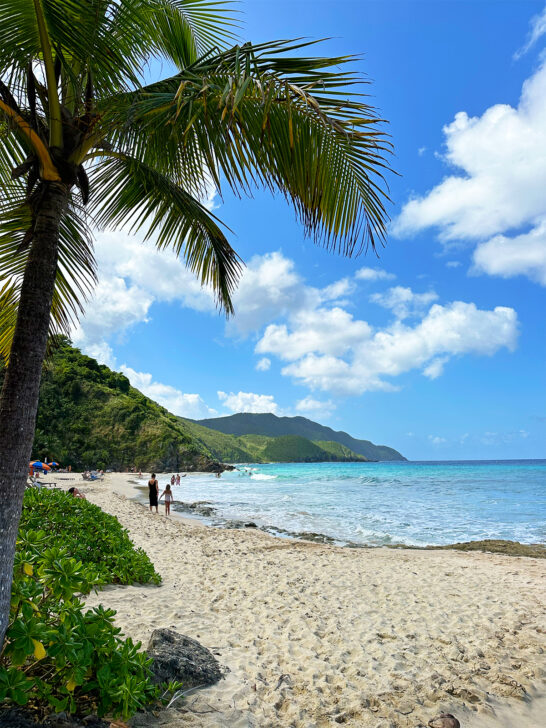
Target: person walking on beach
169,498
178,478
153,488
173,479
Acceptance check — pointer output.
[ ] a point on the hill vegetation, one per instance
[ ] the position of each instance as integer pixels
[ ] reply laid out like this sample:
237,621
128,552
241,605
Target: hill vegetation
272,426
90,416
263,449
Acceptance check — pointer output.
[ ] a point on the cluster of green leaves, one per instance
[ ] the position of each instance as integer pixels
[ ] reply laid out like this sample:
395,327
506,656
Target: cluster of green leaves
89,534
56,654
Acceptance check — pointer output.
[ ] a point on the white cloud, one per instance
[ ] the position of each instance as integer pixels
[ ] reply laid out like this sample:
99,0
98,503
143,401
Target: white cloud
538,29
115,307
100,351
160,273
269,288
495,438
324,331
132,276
263,364
354,366
315,407
421,151
403,302
372,274
501,156
177,402
508,257
436,440
453,263
436,367
249,402
336,290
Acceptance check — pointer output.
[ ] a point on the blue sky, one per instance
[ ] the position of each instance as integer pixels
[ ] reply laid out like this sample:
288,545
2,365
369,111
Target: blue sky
437,347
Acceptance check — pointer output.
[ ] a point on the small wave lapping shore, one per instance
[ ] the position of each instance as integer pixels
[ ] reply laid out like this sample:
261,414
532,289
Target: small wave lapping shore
376,504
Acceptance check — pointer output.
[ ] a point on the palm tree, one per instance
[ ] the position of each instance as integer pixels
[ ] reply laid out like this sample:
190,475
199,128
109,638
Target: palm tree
86,142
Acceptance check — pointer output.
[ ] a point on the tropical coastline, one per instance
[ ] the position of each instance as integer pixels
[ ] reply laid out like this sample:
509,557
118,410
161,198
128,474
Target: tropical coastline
317,635
374,504
329,507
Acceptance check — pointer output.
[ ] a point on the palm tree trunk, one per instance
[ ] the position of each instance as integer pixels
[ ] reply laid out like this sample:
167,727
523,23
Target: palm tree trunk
19,398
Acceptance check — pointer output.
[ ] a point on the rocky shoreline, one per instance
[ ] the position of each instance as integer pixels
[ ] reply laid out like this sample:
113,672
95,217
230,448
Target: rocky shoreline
207,513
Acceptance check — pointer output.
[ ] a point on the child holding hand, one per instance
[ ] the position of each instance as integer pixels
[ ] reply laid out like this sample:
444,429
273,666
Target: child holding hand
169,498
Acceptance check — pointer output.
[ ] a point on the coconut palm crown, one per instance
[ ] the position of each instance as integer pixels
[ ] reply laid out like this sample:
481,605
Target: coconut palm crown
87,141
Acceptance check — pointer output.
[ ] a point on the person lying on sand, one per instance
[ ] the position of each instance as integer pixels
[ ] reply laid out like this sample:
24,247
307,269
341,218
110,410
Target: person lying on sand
76,493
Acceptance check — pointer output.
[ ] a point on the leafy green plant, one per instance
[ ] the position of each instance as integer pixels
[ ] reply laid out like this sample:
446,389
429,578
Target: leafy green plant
89,535
57,655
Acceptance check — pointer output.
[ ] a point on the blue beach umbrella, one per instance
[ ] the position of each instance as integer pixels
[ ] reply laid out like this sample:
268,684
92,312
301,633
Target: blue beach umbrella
39,465
54,464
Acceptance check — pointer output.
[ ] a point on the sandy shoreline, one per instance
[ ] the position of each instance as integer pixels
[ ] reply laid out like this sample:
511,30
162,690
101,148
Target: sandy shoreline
318,636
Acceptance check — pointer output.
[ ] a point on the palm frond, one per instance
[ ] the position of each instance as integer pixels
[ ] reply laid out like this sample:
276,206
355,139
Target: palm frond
12,153
108,36
185,30
76,270
114,39
255,116
130,194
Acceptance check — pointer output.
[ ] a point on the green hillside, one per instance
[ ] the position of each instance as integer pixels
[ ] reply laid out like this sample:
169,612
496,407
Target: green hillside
338,451
287,447
90,416
264,449
272,426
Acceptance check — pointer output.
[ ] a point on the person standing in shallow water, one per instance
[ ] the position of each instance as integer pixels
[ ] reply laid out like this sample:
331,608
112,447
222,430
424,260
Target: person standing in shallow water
153,488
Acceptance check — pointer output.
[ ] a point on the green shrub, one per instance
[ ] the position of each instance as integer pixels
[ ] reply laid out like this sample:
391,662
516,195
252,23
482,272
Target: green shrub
89,535
56,655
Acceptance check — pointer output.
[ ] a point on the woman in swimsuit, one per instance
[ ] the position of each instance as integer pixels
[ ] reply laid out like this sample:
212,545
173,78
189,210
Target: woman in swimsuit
153,488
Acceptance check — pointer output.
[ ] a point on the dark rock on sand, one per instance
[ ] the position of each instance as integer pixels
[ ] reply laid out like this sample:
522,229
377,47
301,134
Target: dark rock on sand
497,546
201,508
177,657
238,524
444,720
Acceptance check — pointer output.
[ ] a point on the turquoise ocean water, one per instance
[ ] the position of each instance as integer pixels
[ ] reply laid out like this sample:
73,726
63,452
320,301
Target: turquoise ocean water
414,503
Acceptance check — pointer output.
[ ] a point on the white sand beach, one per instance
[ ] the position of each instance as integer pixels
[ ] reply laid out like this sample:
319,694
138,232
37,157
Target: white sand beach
316,636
